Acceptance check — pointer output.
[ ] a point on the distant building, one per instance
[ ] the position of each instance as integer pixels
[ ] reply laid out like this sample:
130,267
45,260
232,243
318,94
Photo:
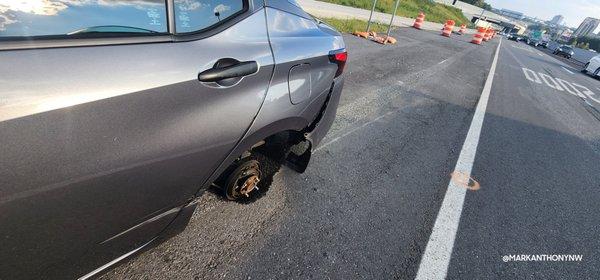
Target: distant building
511,14
565,35
557,20
587,27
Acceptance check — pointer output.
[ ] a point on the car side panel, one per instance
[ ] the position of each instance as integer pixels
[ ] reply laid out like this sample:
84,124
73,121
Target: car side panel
296,40
97,140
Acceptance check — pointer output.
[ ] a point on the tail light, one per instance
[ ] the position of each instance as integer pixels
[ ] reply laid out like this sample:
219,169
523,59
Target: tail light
339,57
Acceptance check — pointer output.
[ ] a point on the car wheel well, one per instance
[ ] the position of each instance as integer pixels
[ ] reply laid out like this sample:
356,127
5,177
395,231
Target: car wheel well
288,147
278,145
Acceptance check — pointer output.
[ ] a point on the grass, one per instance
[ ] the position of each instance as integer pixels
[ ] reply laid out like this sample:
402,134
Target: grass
350,25
434,12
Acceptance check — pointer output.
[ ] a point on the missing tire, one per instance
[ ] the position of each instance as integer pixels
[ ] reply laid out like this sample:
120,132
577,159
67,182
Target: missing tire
250,176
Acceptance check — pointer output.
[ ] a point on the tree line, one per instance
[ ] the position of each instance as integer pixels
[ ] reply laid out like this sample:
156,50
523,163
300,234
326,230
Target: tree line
479,3
586,43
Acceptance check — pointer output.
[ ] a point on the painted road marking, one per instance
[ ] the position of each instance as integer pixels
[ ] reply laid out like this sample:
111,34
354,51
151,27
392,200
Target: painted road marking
530,75
547,79
560,84
567,70
570,88
354,130
442,61
435,260
590,94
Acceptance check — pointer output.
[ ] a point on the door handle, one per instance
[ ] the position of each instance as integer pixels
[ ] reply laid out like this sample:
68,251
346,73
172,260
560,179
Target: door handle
228,69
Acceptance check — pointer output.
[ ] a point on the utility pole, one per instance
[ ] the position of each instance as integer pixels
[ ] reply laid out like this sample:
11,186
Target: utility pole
480,16
371,16
391,21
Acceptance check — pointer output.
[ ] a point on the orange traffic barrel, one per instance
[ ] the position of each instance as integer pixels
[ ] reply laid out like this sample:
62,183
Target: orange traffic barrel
478,37
448,28
419,20
463,29
385,40
488,35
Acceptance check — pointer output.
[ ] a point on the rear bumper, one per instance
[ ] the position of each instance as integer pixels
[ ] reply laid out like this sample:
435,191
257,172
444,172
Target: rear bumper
323,126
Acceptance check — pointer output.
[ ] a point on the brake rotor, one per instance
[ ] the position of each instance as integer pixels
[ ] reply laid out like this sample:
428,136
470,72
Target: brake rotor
249,185
244,180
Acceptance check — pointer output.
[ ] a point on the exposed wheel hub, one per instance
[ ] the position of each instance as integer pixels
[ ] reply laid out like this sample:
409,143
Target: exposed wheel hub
249,185
244,180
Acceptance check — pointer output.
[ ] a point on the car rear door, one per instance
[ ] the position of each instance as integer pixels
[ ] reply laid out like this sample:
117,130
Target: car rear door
105,128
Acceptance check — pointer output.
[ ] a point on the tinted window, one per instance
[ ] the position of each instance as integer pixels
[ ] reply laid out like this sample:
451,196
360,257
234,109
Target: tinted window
194,15
68,17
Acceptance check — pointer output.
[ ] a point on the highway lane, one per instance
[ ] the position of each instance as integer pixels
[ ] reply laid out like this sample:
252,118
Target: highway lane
572,67
572,80
538,164
366,205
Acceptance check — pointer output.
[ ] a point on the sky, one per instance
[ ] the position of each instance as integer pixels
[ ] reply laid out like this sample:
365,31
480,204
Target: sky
574,11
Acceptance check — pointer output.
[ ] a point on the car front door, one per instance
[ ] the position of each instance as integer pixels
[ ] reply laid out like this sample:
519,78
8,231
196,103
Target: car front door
112,114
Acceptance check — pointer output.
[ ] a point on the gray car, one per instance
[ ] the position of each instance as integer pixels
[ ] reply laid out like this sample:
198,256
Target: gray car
116,115
565,51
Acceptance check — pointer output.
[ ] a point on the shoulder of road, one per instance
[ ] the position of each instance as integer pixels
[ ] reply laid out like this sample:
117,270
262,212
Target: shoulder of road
324,9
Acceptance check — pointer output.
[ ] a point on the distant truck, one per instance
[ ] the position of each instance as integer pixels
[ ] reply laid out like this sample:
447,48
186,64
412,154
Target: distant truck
538,38
545,41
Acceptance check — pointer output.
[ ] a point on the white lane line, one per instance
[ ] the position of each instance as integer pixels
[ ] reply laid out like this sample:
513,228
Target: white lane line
567,70
435,260
442,61
354,130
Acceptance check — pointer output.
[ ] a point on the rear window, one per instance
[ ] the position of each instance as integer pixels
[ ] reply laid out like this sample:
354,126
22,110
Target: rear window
76,17
196,15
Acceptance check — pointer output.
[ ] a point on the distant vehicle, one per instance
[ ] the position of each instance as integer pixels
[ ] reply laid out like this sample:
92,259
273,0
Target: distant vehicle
532,42
543,44
565,51
513,37
535,37
523,39
593,66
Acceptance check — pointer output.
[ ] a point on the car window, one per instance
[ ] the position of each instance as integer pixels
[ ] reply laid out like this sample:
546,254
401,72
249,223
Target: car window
294,2
76,17
195,15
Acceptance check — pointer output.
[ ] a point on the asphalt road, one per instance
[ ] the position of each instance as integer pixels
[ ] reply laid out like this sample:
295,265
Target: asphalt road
366,206
538,163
